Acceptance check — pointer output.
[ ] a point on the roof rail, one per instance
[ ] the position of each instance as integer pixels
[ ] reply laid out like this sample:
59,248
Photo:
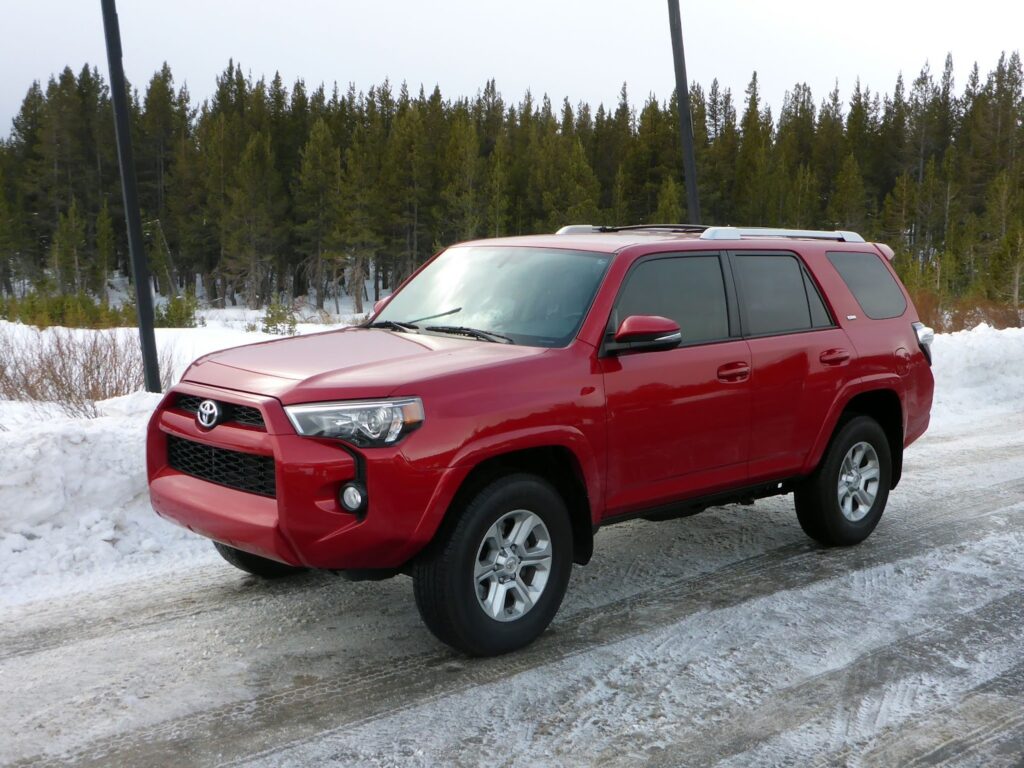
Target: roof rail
577,229
738,233
659,227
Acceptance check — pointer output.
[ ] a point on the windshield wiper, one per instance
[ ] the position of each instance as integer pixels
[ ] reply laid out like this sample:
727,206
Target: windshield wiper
394,325
434,317
476,333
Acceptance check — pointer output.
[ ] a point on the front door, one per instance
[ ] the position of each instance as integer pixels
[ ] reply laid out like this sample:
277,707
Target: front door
678,420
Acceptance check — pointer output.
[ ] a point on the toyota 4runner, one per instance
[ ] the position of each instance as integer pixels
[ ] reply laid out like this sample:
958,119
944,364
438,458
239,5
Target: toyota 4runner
515,395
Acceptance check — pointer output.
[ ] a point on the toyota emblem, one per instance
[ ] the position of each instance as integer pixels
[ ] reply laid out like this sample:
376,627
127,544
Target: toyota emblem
208,414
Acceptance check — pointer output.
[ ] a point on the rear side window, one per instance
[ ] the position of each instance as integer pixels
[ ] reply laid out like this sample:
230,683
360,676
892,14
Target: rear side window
775,296
870,283
689,290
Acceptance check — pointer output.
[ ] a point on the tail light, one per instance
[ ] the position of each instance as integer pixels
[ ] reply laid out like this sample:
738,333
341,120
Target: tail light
925,337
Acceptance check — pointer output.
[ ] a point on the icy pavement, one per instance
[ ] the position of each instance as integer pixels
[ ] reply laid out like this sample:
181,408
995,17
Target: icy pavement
727,638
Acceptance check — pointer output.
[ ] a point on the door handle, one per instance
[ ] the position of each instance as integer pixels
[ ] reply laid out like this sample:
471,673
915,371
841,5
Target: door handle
732,372
834,356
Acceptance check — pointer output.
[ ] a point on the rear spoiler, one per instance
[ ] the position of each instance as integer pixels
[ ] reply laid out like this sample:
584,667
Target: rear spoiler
885,250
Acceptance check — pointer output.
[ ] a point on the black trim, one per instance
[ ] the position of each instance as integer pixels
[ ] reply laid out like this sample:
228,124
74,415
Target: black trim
248,472
607,350
731,255
691,506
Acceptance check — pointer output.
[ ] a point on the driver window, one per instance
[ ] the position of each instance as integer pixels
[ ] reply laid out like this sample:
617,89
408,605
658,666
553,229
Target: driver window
687,289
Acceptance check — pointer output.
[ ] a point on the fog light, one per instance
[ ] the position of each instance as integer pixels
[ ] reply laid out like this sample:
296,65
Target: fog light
352,498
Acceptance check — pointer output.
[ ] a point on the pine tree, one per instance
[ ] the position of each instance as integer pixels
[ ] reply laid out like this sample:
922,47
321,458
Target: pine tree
462,180
753,203
69,250
254,230
315,204
355,238
104,249
847,208
670,209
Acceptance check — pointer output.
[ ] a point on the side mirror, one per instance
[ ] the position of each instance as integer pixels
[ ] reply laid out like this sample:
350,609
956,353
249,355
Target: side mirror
379,305
646,333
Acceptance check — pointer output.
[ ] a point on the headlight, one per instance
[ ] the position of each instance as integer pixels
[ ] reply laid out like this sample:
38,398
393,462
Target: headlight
368,424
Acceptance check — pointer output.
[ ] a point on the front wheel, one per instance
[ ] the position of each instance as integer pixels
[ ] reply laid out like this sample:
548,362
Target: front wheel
493,582
842,502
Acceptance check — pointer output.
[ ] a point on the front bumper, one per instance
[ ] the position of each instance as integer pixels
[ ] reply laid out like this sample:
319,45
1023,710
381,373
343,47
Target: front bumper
304,524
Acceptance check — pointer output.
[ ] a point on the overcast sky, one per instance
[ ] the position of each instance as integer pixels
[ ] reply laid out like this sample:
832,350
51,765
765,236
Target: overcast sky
583,49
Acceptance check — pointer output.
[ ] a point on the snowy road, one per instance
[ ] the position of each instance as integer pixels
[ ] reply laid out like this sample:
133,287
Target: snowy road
725,638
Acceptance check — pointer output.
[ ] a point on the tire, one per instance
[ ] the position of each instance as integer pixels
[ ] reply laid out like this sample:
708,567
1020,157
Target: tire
842,502
254,564
469,584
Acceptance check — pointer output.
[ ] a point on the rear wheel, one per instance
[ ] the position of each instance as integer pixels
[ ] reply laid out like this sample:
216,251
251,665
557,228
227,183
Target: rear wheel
842,502
254,564
493,582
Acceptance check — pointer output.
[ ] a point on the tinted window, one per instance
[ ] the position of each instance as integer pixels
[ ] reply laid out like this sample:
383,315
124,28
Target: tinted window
689,290
819,315
772,293
870,283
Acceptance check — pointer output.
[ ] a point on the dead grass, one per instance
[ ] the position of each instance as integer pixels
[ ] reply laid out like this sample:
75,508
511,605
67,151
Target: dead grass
963,314
73,368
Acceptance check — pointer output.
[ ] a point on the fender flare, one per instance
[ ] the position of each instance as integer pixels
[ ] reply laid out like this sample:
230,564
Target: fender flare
875,383
472,455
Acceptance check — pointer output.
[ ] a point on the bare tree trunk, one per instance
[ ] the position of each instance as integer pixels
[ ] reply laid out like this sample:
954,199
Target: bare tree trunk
358,285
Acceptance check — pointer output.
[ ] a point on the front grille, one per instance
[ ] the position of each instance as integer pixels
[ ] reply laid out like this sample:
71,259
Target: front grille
241,471
239,414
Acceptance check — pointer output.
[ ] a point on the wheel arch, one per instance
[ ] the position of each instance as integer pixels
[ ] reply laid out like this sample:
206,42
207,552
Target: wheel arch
884,406
556,464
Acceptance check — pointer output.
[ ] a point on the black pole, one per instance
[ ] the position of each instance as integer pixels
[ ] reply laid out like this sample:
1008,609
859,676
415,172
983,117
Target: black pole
685,119
143,294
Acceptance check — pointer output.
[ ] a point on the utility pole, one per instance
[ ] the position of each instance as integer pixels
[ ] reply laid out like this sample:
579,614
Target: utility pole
143,291
685,119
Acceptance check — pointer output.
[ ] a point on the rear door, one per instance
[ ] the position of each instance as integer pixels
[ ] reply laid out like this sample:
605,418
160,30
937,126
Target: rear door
800,359
678,419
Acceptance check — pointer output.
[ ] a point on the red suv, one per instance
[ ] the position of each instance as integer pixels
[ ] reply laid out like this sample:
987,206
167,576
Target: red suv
515,395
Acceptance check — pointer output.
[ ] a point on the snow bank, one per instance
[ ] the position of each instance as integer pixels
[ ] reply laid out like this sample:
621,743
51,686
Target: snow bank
73,499
73,496
978,375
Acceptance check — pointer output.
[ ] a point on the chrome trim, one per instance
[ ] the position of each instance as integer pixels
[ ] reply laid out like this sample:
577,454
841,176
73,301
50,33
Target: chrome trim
738,233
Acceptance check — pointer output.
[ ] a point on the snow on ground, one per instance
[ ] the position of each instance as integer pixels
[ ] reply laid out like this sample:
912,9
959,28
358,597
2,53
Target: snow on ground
726,638
74,512
74,509
978,374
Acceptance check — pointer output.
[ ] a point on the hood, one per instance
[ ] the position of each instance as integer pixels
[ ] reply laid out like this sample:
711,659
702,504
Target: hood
346,364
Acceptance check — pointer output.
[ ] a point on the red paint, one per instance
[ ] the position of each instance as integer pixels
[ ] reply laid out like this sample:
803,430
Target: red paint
640,327
646,428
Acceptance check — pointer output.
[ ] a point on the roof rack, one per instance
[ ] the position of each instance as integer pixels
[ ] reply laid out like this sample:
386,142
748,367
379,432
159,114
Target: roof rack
579,229
738,233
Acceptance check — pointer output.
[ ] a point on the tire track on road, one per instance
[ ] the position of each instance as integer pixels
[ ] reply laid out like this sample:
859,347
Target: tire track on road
368,690
33,628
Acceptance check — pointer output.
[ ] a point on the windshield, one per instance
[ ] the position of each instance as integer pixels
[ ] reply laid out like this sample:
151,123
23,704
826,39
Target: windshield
533,296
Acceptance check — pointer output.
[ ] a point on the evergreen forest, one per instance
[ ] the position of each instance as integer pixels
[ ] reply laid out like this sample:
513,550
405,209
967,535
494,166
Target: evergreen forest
266,192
